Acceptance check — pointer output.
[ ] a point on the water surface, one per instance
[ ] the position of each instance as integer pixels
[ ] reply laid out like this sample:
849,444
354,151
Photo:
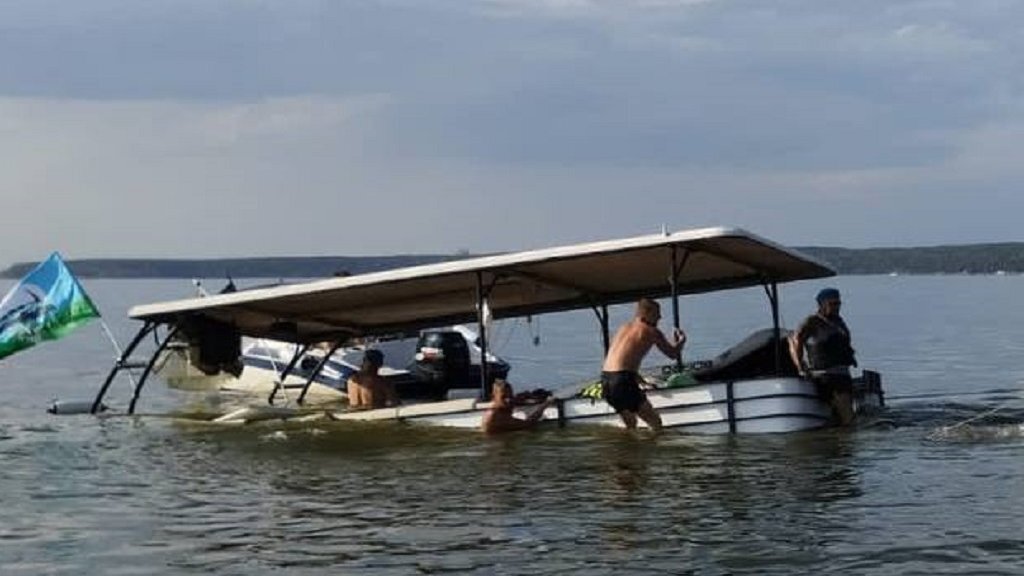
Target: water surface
933,488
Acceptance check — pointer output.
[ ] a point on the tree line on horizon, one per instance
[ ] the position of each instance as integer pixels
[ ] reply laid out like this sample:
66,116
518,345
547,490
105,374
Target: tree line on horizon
959,259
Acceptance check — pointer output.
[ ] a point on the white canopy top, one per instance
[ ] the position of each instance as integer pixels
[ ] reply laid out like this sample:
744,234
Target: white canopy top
517,284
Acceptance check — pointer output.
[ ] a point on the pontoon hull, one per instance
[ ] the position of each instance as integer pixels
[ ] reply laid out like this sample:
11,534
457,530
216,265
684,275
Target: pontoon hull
764,405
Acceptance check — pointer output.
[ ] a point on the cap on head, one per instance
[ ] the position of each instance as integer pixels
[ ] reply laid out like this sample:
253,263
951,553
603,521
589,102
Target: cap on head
375,357
827,294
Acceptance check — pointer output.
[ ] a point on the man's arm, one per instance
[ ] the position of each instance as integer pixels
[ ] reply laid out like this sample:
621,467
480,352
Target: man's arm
849,335
667,348
390,395
796,349
495,422
537,414
354,396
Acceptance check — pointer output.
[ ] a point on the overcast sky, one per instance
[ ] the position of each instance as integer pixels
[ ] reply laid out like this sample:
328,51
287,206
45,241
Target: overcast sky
212,128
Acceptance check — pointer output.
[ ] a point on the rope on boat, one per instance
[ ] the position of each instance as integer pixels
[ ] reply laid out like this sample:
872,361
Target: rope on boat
938,433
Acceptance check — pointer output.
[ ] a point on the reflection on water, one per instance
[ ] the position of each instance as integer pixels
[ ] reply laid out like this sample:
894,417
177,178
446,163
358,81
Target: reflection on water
170,496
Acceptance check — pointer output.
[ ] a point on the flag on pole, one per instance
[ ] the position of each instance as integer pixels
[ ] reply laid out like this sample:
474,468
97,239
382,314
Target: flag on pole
47,304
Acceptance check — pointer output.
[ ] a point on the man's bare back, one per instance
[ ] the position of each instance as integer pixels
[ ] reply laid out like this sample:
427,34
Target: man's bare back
620,378
370,391
634,340
367,388
631,343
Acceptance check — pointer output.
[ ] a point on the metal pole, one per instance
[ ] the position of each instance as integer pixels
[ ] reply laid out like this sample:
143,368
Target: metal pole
119,364
674,284
480,298
604,328
774,297
279,383
117,347
316,371
149,368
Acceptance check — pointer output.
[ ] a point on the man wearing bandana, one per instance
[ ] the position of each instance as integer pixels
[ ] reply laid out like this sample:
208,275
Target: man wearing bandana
824,339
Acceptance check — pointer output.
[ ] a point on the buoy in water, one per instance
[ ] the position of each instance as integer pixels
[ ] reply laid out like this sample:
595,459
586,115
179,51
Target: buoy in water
66,407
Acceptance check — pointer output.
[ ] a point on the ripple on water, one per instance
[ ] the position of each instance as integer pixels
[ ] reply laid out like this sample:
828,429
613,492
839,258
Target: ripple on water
398,499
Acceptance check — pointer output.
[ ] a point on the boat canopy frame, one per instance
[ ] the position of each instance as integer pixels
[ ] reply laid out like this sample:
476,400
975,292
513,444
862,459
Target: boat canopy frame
592,275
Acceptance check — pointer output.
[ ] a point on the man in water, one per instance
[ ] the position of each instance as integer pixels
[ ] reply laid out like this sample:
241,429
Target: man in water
620,375
826,340
500,418
367,388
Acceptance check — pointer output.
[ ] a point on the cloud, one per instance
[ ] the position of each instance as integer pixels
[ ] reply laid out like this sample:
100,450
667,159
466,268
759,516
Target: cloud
401,125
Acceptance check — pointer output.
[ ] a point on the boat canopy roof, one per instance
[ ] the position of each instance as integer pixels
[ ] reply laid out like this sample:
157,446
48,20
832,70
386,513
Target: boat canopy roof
516,284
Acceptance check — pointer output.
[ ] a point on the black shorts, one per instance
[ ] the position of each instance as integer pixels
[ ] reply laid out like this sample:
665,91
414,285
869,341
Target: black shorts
829,385
622,390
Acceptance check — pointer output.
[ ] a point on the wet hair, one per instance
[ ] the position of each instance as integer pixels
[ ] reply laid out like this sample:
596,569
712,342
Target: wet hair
827,294
499,386
375,357
645,306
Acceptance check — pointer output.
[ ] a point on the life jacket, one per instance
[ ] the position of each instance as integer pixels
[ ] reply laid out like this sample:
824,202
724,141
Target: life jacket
828,344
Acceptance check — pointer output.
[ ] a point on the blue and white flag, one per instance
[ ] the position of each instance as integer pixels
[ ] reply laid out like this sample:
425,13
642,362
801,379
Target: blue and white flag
47,304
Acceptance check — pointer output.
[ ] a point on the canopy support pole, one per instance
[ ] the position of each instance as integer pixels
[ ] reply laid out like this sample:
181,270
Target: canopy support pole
279,382
482,294
602,317
121,364
772,290
149,368
675,270
316,371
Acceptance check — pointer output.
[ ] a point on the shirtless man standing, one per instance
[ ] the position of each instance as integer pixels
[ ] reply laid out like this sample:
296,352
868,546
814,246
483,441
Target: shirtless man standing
367,388
620,375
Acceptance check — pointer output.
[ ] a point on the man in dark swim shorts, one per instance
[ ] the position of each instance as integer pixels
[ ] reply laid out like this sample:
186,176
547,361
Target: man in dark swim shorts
622,390
620,375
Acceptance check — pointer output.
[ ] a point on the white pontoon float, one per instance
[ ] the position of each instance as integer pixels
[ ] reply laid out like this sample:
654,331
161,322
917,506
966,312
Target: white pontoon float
724,396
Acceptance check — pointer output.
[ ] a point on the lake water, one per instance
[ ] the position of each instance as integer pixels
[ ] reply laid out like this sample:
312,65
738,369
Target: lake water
935,490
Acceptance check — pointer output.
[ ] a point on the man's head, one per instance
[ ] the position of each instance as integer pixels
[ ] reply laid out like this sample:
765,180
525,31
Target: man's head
501,392
648,311
373,359
828,301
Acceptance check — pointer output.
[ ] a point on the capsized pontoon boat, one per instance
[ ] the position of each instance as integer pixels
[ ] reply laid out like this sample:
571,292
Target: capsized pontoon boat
767,397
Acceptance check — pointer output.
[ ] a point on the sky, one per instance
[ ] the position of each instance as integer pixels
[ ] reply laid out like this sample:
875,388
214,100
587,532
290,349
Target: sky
237,128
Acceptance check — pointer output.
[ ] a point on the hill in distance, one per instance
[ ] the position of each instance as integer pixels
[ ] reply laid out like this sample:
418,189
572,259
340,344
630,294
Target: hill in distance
954,259
278,267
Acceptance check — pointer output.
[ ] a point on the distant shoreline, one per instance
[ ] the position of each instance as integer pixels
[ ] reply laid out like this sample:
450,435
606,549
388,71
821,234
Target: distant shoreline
277,267
1006,258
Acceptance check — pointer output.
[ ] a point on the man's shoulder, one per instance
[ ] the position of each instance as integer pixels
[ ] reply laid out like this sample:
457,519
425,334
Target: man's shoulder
498,420
652,333
642,328
808,323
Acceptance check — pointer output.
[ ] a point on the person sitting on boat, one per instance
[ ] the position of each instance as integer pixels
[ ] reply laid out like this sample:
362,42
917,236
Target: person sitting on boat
620,374
825,338
500,418
367,388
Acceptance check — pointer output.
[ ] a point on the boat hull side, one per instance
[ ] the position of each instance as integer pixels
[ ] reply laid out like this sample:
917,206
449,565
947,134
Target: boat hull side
768,405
